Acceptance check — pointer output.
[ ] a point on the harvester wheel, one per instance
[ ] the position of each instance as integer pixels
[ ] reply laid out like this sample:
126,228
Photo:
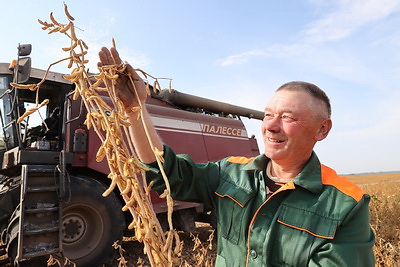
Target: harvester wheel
91,223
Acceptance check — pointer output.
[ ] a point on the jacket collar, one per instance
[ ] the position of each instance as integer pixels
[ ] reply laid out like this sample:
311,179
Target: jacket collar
258,163
309,178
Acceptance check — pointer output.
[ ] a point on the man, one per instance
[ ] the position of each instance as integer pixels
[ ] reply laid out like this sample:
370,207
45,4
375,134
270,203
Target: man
282,208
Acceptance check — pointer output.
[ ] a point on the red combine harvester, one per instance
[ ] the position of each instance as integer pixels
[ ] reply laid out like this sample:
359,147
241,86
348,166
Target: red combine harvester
51,185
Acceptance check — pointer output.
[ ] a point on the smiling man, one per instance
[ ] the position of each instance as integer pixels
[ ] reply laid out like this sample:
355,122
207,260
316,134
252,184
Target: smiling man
282,208
297,116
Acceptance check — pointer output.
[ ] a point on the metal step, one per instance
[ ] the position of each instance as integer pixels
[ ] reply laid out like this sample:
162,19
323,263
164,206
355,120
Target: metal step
40,210
39,189
39,231
41,252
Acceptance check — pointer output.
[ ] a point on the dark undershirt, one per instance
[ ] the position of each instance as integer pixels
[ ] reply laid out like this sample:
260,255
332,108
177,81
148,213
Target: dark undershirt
270,186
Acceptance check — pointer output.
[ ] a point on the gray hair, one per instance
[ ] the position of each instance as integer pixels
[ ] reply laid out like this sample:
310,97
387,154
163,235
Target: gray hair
311,89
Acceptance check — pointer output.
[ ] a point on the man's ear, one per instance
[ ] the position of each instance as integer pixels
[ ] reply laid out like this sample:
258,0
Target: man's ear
323,130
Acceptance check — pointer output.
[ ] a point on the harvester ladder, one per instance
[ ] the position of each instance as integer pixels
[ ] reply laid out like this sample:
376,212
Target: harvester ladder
40,216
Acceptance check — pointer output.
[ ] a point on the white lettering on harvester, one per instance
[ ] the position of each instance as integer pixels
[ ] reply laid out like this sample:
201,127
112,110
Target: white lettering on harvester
207,128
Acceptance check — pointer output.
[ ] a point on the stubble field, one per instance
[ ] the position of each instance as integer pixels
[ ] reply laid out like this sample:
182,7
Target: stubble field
385,214
384,189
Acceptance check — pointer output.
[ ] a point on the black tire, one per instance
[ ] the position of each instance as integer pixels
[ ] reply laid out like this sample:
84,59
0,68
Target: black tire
91,223
183,220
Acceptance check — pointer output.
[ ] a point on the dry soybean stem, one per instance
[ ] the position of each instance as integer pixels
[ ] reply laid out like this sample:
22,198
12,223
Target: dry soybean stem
106,115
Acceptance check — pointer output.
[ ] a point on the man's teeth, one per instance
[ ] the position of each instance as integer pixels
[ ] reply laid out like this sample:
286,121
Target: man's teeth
275,140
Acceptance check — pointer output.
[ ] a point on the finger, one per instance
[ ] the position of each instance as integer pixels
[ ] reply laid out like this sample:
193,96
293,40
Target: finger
117,60
115,56
105,56
102,58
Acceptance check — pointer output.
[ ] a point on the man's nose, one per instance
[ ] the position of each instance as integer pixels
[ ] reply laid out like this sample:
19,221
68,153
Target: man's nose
272,124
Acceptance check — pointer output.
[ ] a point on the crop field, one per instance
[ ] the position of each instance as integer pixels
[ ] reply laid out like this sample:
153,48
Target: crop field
385,214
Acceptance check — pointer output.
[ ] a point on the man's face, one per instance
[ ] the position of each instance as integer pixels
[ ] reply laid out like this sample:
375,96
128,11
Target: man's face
291,126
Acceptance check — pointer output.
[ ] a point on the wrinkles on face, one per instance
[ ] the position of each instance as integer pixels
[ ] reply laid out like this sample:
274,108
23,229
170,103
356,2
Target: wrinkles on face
290,126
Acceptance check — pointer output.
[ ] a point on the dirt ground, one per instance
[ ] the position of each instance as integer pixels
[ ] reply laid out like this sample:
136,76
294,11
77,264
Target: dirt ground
193,254
197,250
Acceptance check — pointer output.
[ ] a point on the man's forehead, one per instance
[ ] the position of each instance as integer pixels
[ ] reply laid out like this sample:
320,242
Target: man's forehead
285,110
289,100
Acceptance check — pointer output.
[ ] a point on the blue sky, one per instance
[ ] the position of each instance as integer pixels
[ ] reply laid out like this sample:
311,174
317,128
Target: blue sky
241,51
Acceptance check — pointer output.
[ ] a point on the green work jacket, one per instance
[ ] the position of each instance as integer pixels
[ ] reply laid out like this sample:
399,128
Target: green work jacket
318,219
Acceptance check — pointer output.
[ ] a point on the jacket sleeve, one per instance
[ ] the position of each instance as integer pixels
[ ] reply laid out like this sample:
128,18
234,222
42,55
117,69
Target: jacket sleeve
353,241
189,181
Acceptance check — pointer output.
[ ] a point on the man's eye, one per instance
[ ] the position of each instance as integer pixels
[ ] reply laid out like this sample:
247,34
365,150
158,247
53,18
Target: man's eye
268,116
287,118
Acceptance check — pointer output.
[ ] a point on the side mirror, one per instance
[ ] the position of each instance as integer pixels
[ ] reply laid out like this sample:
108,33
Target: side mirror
24,50
24,69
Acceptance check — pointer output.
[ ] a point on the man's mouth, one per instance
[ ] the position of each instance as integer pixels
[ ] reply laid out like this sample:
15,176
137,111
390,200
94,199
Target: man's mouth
273,140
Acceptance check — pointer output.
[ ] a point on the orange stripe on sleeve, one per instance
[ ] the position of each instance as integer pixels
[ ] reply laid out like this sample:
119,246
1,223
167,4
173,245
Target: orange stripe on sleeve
329,177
